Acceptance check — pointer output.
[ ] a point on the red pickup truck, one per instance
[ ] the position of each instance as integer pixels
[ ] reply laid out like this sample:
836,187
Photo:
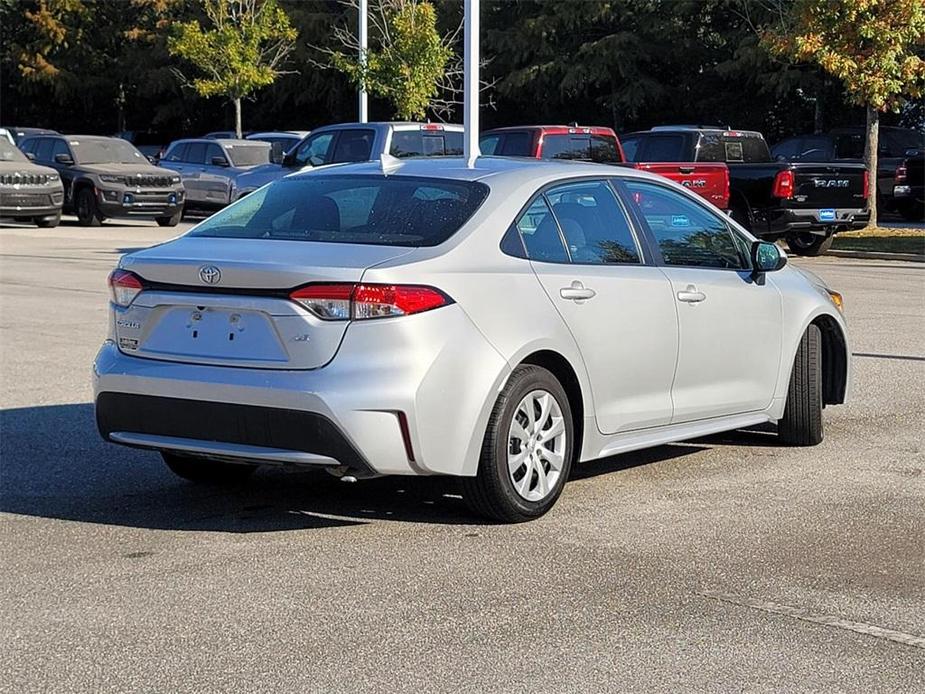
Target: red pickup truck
599,144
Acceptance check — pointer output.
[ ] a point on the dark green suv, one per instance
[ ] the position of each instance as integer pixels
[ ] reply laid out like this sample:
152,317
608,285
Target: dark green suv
107,177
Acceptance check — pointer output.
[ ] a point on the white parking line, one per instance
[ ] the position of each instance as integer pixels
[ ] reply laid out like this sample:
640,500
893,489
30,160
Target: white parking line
807,616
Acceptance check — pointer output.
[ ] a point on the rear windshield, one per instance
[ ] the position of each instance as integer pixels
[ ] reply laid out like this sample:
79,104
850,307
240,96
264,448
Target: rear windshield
733,149
249,155
415,143
375,210
108,151
580,147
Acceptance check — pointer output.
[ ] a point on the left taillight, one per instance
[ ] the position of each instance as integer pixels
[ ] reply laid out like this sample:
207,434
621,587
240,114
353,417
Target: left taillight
347,301
125,286
866,184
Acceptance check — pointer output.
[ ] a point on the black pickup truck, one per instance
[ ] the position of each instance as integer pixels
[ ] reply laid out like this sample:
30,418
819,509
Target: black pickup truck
805,203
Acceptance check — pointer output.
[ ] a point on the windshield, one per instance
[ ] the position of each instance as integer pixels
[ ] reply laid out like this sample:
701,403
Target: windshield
8,152
376,210
106,151
249,155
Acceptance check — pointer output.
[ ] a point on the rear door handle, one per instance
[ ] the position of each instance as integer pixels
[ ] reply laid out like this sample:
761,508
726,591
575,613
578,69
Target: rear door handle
690,295
577,292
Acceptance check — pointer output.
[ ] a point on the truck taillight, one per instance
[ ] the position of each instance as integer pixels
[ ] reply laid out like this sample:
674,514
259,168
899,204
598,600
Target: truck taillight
125,286
783,185
867,183
901,174
726,190
345,301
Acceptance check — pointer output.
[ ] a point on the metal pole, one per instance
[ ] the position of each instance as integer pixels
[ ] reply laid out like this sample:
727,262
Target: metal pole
362,36
471,82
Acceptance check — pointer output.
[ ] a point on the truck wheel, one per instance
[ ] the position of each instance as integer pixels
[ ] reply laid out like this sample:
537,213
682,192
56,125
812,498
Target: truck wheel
88,215
804,243
527,451
170,221
801,424
51,220
203,471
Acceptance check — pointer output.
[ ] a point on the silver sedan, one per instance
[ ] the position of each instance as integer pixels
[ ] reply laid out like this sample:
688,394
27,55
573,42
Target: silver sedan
499,323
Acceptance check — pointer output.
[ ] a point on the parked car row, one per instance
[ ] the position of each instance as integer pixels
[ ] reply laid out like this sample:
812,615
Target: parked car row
805,190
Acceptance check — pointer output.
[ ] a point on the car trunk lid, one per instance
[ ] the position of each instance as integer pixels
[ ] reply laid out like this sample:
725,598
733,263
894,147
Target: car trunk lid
233,308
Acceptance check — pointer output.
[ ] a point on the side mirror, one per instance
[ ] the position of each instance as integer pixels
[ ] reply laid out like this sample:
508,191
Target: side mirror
219,161
30,156
289,160
64,159
766,257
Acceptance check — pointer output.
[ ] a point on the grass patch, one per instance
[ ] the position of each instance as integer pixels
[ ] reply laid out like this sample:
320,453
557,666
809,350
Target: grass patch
893,243
880,232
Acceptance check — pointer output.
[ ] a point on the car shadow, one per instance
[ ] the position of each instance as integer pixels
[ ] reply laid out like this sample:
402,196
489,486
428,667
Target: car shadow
53,464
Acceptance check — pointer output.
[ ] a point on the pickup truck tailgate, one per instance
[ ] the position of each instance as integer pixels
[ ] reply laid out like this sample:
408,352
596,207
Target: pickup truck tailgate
828,186
708,180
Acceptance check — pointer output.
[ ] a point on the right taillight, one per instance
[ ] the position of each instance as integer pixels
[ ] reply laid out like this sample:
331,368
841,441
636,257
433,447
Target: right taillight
866,184
901,174
783,185
125,286
346,301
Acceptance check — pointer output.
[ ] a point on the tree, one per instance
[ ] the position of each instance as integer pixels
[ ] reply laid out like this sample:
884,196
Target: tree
242,51
407,60
873,46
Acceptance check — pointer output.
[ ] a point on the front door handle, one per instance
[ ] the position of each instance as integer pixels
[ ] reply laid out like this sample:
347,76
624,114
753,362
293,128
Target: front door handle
691,296
577,292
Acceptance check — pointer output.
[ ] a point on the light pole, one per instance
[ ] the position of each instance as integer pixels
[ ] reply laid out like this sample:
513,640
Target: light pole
471,82
362,36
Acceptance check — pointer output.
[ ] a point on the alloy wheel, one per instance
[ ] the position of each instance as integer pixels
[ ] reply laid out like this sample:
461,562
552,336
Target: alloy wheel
536,445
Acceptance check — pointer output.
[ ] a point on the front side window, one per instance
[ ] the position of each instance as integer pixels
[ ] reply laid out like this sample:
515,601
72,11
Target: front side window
816,148
540,233
375,210
176,153
849,146
595,228
314,150
195,153
43,149
664,148
488,144
517,144
59,147
686,233
630,147
215,156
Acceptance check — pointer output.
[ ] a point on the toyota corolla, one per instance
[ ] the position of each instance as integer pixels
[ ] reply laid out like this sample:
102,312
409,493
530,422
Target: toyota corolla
500,323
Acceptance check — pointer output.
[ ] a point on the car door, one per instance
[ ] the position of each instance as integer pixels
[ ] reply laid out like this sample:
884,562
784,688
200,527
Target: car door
315,150
619,308
66,171
215,178
730,325
194,158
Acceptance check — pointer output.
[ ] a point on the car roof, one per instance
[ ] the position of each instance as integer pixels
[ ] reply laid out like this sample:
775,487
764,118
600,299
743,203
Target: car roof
278,133
454,168
223,142
555,129
395,125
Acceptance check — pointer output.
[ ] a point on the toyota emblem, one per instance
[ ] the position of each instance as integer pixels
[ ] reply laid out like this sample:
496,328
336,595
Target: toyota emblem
210,274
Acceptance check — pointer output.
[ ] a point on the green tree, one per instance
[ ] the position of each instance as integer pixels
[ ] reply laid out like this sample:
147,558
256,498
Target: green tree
242,51
407,60
873,46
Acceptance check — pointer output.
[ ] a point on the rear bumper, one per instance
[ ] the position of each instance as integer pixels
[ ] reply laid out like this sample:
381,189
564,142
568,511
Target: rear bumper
784,221
403,396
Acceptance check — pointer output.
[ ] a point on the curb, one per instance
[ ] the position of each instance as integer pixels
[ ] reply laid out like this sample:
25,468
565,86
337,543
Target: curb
871,255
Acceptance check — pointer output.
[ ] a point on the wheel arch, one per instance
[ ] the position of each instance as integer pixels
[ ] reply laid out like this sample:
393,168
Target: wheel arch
834,360
565,373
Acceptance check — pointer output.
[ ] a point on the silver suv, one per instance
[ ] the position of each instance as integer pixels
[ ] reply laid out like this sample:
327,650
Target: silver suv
28,193
210,167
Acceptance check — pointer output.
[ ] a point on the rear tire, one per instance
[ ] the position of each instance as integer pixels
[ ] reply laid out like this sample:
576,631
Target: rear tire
203,471
49,221
804,243
544,445
88,214
170,221
801,424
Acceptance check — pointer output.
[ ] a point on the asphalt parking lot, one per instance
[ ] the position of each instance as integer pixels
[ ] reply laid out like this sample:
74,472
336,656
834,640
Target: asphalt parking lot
726,564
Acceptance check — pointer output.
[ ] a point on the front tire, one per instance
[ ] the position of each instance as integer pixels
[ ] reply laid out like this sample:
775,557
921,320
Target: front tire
49,221
801,424
170,221
804,243
527,451
203,471
88,214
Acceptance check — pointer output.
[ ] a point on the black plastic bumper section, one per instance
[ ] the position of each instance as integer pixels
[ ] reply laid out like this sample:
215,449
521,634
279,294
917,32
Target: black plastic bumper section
248,425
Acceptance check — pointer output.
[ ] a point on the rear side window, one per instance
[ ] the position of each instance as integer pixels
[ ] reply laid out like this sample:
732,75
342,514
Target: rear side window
816,148
849,146
195,153
374,210
540,233
788,149
353,145
687,234
664,148
595,228
747,149
517,145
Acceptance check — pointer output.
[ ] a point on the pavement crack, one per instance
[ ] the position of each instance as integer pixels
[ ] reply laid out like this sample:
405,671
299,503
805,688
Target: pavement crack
806,615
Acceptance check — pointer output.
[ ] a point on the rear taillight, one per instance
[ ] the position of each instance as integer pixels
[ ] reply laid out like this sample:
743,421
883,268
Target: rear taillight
726,190
901,174
344,301
783,185
125,286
